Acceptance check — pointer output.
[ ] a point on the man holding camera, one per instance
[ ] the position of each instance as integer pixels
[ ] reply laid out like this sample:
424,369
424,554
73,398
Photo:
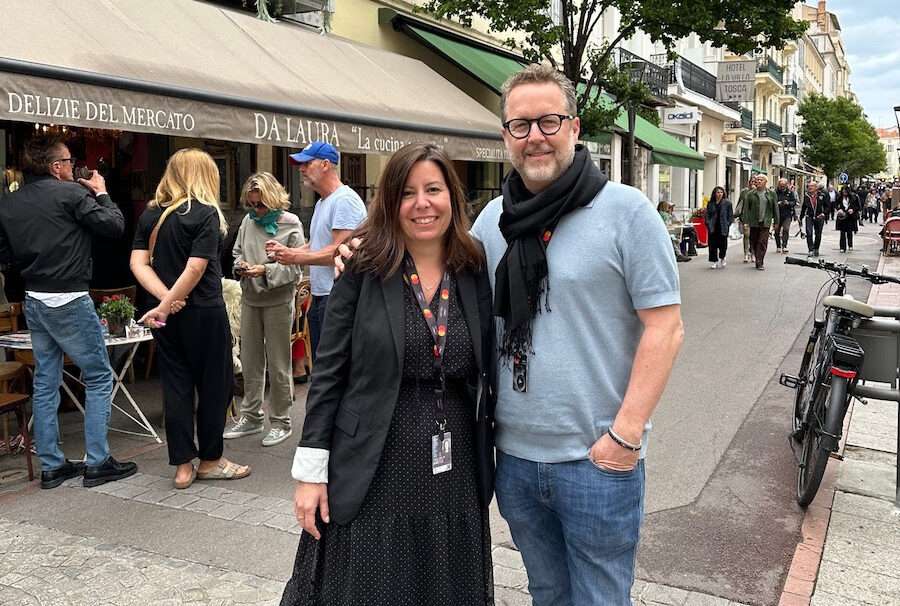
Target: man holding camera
45,230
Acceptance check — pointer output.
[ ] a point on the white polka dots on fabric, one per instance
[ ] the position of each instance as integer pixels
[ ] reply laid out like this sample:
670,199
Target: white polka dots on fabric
419,539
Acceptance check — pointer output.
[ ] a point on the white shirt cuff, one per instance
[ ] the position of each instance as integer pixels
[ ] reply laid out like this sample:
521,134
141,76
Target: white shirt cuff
310,465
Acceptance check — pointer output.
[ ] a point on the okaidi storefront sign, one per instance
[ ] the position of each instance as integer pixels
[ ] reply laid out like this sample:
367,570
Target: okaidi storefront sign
48,101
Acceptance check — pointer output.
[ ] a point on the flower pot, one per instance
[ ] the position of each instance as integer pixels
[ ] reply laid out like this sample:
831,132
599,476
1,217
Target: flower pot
116,327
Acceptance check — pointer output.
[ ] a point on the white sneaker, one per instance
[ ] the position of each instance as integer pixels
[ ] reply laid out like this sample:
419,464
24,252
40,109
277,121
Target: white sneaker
276,435
714,265
722,263
242,427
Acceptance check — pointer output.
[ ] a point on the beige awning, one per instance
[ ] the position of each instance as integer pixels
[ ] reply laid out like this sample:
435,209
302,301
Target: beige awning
190,69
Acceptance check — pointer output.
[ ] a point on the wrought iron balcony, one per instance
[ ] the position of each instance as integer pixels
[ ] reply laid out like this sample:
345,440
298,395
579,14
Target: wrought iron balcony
747,118
746,121
766,129
768,65
792,89
640,70
692,76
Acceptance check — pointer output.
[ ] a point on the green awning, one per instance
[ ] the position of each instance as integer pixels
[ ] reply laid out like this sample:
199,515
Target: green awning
489,67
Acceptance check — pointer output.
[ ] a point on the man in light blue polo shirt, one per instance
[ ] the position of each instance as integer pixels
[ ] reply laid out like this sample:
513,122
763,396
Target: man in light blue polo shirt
339,211
587,293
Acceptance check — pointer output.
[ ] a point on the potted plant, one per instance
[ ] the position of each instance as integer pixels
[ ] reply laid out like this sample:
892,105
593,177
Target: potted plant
117,310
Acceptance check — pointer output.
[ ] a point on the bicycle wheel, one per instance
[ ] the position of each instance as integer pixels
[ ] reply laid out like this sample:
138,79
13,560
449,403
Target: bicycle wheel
813,455
807,376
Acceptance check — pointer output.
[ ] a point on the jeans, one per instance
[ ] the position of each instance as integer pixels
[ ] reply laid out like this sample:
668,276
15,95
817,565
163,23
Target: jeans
316,320
72,329
814,233
783,233
576,527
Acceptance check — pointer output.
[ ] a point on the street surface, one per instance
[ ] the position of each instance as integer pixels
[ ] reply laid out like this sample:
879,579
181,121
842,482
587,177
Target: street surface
721,522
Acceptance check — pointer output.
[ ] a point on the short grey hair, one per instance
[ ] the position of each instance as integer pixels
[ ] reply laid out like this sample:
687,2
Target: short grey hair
539,73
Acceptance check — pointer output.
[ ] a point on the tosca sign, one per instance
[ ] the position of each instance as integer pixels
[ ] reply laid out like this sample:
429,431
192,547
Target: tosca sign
735,80
44,100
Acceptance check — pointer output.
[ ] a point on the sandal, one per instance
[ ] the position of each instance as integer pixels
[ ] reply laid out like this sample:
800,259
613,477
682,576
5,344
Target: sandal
189,481
225,470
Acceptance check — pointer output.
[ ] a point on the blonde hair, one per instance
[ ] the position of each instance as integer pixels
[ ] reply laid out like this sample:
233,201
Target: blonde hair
539,73
271,192
191,174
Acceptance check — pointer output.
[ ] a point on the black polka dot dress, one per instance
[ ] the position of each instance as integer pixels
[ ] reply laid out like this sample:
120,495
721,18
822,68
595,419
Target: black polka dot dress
419,539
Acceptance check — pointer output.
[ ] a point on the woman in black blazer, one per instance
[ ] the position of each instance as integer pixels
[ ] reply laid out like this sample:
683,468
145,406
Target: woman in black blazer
395,466
847,217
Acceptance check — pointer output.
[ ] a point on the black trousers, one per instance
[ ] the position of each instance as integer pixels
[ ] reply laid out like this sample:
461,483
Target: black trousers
846,239
194,350
813,234
718,246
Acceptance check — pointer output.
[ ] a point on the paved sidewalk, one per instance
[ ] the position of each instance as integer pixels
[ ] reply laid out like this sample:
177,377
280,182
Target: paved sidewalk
861,555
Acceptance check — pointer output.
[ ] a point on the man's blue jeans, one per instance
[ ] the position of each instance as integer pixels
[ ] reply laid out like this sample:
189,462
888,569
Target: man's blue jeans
73,329
576,526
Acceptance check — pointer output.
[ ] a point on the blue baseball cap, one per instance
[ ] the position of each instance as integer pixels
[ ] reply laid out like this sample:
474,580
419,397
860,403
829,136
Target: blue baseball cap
317,150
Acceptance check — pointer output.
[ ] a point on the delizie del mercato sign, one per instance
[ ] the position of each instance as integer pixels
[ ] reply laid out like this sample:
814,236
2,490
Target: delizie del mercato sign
61,108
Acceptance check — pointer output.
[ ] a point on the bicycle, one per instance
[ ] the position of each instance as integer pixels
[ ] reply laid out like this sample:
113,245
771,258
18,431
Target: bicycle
832,366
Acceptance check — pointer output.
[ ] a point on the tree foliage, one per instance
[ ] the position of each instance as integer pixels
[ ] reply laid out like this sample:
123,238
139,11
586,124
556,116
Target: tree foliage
569,42
838,137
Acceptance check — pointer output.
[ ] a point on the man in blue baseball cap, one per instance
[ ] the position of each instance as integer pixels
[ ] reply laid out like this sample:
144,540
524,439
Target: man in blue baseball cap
338,212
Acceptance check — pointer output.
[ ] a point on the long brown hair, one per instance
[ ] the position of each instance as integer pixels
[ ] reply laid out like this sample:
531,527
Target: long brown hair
383,246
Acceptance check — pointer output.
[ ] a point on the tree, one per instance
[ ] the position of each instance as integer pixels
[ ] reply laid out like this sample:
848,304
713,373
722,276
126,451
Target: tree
567,42
838,137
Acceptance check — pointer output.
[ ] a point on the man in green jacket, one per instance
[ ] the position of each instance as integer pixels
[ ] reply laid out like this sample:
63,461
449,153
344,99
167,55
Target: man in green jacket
759,212
745,229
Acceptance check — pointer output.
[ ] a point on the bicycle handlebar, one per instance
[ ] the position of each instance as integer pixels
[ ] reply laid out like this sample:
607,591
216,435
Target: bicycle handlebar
824,265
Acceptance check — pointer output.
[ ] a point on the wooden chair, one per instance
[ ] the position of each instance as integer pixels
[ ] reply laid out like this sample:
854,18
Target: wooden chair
14,403
300,330
9,317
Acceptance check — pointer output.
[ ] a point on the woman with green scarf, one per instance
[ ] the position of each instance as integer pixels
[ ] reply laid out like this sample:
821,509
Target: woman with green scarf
267,308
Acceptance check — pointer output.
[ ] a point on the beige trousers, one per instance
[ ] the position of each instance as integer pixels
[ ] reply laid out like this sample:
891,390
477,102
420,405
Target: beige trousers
266,343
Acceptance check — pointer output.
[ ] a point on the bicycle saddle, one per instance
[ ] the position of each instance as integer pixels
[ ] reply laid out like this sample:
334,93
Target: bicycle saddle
850,304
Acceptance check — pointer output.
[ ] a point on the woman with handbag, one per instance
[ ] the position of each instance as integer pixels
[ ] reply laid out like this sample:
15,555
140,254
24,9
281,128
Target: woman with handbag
719,216
394,511
267,308
175,258
847,217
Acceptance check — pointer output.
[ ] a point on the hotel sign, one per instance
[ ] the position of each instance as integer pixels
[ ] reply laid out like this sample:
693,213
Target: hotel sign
735,80
44,100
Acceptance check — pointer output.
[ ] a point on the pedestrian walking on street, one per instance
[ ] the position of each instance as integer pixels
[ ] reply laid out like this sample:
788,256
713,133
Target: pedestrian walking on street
394,512
814,211
760,213
787,212
872,206
338,212
719,216
267,308
738,214
177,247
847,217
46,228
832,202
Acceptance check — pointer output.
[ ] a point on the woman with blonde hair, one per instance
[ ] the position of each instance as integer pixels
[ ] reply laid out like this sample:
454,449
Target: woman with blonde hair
267,307
175,257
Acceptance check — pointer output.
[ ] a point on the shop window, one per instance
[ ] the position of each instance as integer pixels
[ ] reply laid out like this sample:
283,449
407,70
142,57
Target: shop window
353,173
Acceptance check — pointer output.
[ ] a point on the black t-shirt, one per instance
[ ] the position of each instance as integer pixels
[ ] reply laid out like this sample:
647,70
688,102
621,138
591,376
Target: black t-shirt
190,231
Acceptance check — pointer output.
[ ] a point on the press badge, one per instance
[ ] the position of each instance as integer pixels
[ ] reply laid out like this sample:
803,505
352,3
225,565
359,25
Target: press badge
441,458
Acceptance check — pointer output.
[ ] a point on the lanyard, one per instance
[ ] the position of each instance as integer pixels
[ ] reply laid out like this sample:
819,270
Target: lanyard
438,328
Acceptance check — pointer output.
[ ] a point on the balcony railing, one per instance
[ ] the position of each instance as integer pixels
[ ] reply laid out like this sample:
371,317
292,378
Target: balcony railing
768,64
792,89
746,121
692,76
640,70
766,129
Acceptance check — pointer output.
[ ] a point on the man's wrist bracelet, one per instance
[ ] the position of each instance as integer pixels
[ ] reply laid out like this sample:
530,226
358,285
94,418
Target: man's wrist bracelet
623,442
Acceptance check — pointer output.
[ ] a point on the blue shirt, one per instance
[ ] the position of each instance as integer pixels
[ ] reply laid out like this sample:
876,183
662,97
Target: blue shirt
606,260
342,209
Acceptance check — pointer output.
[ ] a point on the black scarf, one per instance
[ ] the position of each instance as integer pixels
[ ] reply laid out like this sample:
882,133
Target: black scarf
522,277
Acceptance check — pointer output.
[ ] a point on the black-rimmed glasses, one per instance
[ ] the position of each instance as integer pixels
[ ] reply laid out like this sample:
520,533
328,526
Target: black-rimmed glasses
70,159
548,124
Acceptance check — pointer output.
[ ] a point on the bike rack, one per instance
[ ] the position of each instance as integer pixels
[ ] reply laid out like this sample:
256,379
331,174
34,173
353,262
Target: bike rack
880,339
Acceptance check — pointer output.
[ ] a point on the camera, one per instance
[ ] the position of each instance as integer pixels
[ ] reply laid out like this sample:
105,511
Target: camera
520,373
82,172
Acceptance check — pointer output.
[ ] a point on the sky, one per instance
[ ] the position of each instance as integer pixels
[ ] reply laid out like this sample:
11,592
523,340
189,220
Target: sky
870,31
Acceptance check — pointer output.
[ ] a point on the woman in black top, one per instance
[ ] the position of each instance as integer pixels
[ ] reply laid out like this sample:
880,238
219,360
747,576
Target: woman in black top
177,246
719,216
847,213
395,464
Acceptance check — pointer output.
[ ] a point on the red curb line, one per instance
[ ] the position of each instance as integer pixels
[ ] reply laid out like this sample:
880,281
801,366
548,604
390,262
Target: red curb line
804,571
